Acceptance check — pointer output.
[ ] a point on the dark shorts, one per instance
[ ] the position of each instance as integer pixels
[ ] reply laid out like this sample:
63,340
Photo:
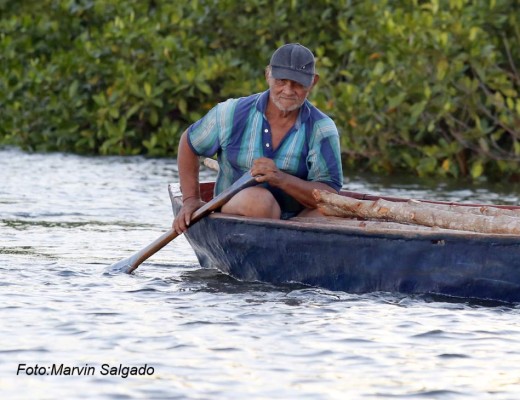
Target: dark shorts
289,206
289,214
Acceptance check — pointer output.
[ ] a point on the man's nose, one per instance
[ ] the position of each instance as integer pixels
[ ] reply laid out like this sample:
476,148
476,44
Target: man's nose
290,85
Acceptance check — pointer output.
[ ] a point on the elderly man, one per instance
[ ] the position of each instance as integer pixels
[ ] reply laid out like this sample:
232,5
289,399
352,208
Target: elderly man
287,143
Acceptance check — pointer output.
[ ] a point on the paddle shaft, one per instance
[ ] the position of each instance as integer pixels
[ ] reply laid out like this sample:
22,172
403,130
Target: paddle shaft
130,264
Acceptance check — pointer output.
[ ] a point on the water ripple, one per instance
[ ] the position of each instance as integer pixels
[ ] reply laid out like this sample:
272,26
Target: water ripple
65,218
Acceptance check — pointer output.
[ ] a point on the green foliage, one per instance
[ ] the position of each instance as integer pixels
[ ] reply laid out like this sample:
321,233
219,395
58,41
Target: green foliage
425,86
432,87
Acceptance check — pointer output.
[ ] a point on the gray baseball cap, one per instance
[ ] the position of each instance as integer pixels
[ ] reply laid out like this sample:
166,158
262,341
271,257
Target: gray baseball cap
294,62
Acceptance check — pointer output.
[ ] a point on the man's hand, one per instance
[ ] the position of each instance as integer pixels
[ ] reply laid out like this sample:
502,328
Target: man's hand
265,170
182,221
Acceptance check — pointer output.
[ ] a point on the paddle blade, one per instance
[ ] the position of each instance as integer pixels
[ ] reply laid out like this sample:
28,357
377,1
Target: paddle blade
120,266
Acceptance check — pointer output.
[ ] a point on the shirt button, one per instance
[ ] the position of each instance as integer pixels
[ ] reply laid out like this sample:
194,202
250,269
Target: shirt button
266,130
267,145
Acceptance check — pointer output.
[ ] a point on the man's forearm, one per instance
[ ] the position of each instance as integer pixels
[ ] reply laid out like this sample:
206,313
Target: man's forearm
188,165
301,190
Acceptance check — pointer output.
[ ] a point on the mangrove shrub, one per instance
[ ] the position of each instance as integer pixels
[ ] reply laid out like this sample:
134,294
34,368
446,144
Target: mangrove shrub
427,87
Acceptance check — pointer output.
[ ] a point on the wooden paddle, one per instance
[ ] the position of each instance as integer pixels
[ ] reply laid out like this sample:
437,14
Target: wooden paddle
130,264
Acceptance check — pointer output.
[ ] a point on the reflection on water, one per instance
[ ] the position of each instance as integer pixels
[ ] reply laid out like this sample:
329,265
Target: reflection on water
444,190
64,218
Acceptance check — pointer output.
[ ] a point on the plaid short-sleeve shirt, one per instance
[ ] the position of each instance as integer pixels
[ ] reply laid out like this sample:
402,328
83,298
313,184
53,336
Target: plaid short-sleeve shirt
238,132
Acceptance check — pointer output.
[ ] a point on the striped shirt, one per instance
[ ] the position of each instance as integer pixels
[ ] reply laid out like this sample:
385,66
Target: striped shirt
238,132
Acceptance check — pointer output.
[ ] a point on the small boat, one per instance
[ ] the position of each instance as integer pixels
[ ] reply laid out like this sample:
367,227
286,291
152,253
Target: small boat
358,256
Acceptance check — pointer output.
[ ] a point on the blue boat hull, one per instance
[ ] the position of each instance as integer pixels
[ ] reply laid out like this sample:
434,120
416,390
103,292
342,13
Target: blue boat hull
353,259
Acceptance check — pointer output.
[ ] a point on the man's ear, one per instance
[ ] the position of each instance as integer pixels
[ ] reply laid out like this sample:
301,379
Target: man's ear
315,80
266,72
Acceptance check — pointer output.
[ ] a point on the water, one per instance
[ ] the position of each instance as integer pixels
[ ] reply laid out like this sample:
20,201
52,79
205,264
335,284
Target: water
200,334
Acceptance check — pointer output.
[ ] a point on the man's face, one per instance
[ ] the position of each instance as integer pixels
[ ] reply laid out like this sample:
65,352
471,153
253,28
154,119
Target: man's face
287,95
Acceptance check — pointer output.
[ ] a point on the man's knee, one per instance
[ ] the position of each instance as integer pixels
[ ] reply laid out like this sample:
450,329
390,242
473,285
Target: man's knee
253,202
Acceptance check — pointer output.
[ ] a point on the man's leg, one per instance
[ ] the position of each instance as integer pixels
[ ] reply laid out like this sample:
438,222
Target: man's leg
253,202
310,213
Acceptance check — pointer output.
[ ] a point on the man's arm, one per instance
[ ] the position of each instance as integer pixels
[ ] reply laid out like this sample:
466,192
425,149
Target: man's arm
188,165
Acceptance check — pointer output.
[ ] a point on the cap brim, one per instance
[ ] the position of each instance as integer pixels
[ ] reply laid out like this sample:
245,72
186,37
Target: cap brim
302,78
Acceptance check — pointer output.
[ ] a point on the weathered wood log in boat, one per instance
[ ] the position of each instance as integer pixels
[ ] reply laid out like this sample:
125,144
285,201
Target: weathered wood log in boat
360,256
474,219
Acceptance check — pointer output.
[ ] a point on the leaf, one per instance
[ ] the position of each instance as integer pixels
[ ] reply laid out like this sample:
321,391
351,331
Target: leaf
416,110
114,112
396,100
477,169
379,68
473,32
147,89
510,103
100,99
446,164
183,106
73,89
427,166
132,110
204,87
442,69
154,117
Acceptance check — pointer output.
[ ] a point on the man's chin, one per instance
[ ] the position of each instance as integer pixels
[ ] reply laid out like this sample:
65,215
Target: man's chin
288,107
